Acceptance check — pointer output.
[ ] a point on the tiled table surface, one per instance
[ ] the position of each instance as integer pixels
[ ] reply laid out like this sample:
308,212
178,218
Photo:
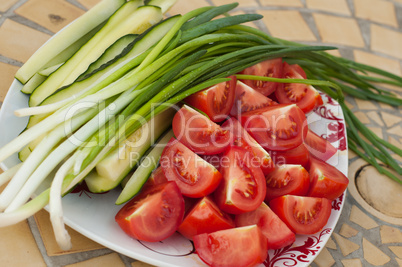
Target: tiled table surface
368,31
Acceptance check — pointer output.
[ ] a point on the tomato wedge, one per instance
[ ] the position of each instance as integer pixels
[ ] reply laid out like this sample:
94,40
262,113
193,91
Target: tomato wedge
157,177
327,181
280,127
240,137
194,176
319,147
240,247
299,155
247,99
303,95
199,133
303,215
269,68
154,214
277,233
215,101
287,180
204,217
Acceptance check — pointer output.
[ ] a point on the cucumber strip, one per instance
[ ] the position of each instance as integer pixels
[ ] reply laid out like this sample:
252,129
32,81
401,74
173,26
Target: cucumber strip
70,34
165,5
34,82
47,71
144,170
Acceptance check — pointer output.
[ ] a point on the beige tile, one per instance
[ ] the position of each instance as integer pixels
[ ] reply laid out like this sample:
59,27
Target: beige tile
79,242
365,104
339,30
386,106
373,115
287,24
376,10
386,41
324,259
6,4
362,117
377,131
349,105
348,231
6,78
345,245
242,3
397,130
108,260
287,3
352,263
335,6
399,261
334,52
397,250
351,154
184,6
18,41
140,264
390,234
18,247
359,217
331,244
88,4
390,119
372,254
53,15
386,64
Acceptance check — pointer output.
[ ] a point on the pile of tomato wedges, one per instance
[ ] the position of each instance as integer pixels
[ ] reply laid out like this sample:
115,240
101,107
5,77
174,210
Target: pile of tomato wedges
243,174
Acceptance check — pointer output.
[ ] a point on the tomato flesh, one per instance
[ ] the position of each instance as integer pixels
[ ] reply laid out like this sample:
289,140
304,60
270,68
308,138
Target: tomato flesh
204,217
199,133
157,177
269,68
303,215
319,147
240,247
277,233
194,176
154,214
327,181
299,155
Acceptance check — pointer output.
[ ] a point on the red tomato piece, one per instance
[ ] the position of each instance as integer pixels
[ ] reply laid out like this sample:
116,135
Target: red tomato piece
240,247
303,215
204,217
269,68
319,147
243,185
157,177
287,180
240,137
194,176
303,95
199,133
280,127
326,180
247,99
277,233
154,214
215,101
299,155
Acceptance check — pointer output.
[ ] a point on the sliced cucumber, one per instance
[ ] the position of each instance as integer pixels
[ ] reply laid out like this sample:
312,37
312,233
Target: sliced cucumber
64,39
144,170
165,5
34,82
46,72
99,184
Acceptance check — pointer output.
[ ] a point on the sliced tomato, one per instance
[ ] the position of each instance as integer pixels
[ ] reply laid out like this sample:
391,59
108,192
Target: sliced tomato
243,185
204,217
194,176
287,180
154,214
303,215
157,177
247,99
269,68
280,127
215,101
327,181
319,147
277,233
199,133
299,155
240,247
303,95
240,137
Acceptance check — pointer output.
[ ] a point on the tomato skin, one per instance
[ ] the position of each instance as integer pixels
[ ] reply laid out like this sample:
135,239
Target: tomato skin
206,100
243,185
269,68
194,176
154,214
240,247
277,233
303,215
157,177
304,96
204,217
287,180
299,155
327,181
319,147
247,99
199,133
280,127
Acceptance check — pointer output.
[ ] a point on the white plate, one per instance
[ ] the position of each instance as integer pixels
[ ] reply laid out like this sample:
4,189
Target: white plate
93,214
